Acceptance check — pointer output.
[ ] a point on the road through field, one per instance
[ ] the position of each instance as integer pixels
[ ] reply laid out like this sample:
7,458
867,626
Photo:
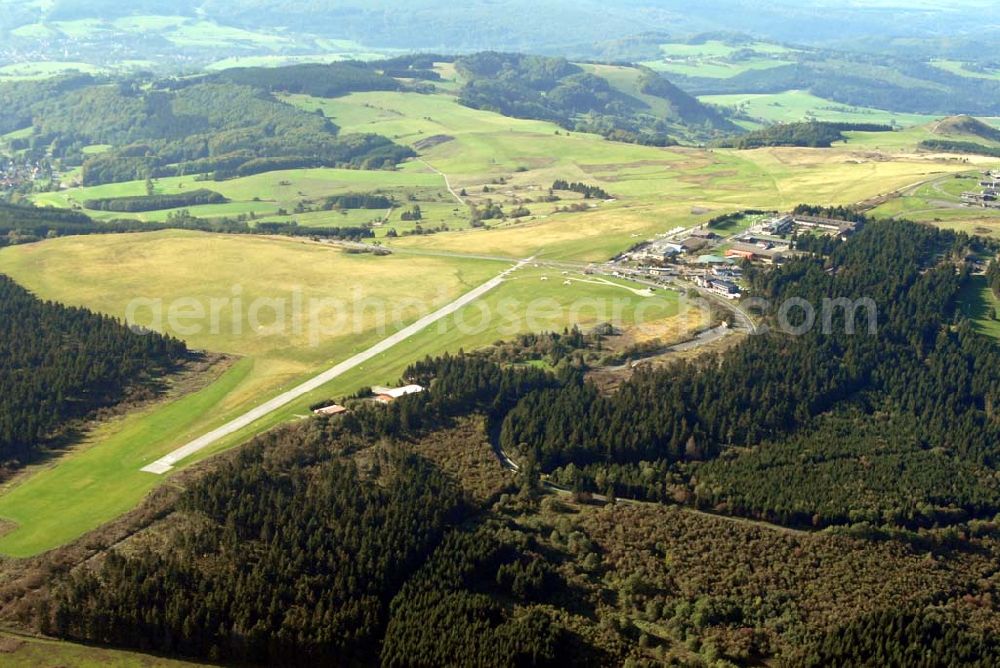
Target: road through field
447,183
167,462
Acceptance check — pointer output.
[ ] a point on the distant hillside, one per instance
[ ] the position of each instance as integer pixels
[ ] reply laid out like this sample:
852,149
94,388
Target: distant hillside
966,126
317,79
862,80
225,124
541,24
811,134
647,109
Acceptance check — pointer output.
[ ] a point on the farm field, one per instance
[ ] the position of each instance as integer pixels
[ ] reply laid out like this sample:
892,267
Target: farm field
654,188
513,162
713,68
328,51
794,105
43,69
961,69
652,198
718,49
104,471
280,187
228,45
182,31
716,59
263,195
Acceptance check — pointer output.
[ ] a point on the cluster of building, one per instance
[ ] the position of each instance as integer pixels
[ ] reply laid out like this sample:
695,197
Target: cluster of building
768,243
796,222
15,174
387,395
671,248
721,280
759,248
989,196
711,261
380,395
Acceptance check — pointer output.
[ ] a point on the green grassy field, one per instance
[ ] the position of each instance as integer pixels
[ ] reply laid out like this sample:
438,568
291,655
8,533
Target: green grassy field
28,652
791,106
982,306
148,23
328,50
960,68
95,149
182,31
44,69
655,189
264,194
626,80
33,31
687,187
718,49
16,134
198,268
268,48
207,34
711,67
519,159
80,28
716,59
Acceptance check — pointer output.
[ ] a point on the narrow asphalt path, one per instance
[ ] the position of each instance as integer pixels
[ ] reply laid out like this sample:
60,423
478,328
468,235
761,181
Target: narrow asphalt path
167,462
700,339
447,183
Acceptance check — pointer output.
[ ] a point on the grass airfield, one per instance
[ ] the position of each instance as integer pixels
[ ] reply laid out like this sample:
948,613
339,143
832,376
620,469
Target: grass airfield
653,190
188,270
105,272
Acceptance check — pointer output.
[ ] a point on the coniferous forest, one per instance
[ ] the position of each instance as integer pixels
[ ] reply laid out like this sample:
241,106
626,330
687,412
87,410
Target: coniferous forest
872,460
993,277
60,363
916,362
554,89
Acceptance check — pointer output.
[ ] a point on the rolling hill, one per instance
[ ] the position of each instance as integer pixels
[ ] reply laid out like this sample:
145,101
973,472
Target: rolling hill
633,104
967,127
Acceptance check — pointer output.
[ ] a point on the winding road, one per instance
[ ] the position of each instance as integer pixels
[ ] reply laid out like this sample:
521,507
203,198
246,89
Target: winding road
167,462
447,183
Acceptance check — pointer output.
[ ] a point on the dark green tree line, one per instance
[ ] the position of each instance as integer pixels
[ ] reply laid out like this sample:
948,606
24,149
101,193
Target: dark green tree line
60,363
